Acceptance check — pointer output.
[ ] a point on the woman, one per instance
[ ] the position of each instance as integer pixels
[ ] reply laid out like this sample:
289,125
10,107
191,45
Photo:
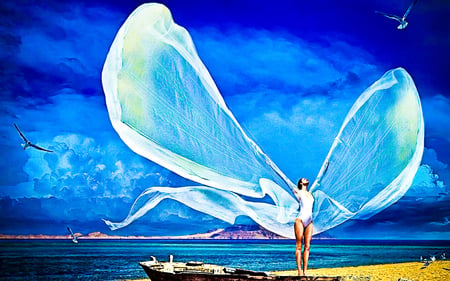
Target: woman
303,225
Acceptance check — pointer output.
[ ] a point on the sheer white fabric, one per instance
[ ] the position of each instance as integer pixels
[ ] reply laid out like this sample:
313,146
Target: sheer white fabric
376,154
165,106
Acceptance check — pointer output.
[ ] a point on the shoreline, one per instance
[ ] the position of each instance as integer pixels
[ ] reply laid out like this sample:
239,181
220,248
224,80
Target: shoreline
407,271
101,236
417,271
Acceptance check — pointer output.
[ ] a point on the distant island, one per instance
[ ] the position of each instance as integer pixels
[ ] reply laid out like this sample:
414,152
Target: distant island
234,232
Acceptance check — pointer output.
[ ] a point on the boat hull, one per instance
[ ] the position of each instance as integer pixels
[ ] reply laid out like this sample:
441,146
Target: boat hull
156,274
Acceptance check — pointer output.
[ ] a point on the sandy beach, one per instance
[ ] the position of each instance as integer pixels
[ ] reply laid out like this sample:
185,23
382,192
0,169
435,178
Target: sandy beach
409,271
437,270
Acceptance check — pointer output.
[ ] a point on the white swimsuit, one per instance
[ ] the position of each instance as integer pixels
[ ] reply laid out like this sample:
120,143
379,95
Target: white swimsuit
306,206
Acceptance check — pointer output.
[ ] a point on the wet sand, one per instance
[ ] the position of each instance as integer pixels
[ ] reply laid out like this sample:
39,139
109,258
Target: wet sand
409,271
417,271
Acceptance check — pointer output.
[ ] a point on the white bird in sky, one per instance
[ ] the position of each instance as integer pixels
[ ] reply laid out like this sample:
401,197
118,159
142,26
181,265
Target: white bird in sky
28,143
401,20
74,238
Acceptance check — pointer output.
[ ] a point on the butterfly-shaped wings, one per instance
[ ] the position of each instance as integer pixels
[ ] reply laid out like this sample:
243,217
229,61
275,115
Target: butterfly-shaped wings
166,107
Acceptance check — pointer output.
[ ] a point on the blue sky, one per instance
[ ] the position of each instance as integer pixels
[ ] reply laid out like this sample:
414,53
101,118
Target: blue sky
289,71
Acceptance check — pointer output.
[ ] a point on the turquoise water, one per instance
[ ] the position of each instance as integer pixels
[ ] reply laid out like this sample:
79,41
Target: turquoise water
118,259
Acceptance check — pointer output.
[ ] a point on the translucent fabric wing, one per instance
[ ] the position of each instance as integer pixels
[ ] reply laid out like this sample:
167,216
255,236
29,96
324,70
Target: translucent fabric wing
165,106
376,154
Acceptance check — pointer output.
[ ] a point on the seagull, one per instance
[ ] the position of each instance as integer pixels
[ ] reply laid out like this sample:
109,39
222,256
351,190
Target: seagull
28,143
74,238
401,20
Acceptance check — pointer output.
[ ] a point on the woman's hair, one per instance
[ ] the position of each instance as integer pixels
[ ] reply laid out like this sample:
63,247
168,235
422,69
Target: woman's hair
302,182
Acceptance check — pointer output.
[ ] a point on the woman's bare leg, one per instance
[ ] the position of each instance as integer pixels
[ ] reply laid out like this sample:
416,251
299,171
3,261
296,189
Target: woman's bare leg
308,234
298,228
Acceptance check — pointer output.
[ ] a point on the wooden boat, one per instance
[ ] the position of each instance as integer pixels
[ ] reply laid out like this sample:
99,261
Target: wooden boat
199,271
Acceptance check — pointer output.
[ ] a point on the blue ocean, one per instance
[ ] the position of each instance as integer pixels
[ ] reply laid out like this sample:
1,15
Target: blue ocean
119,259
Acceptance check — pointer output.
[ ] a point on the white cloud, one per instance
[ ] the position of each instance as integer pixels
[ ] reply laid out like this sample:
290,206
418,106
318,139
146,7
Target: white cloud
89,159
426,183
430,157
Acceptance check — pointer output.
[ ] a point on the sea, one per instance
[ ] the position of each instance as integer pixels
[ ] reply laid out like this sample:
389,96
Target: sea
119,259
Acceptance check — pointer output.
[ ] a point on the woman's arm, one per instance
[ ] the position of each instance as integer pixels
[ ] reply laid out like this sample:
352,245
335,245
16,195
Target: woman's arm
297,194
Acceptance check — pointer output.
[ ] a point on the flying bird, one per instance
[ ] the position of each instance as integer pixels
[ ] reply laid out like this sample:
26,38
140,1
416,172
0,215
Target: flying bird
28,143
74,238
402,20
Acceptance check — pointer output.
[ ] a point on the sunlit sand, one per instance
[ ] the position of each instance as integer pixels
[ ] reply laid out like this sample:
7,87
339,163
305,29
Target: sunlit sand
409,271
437,270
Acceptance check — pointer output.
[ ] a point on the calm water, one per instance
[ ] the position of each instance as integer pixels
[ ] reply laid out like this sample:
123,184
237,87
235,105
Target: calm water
118,259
